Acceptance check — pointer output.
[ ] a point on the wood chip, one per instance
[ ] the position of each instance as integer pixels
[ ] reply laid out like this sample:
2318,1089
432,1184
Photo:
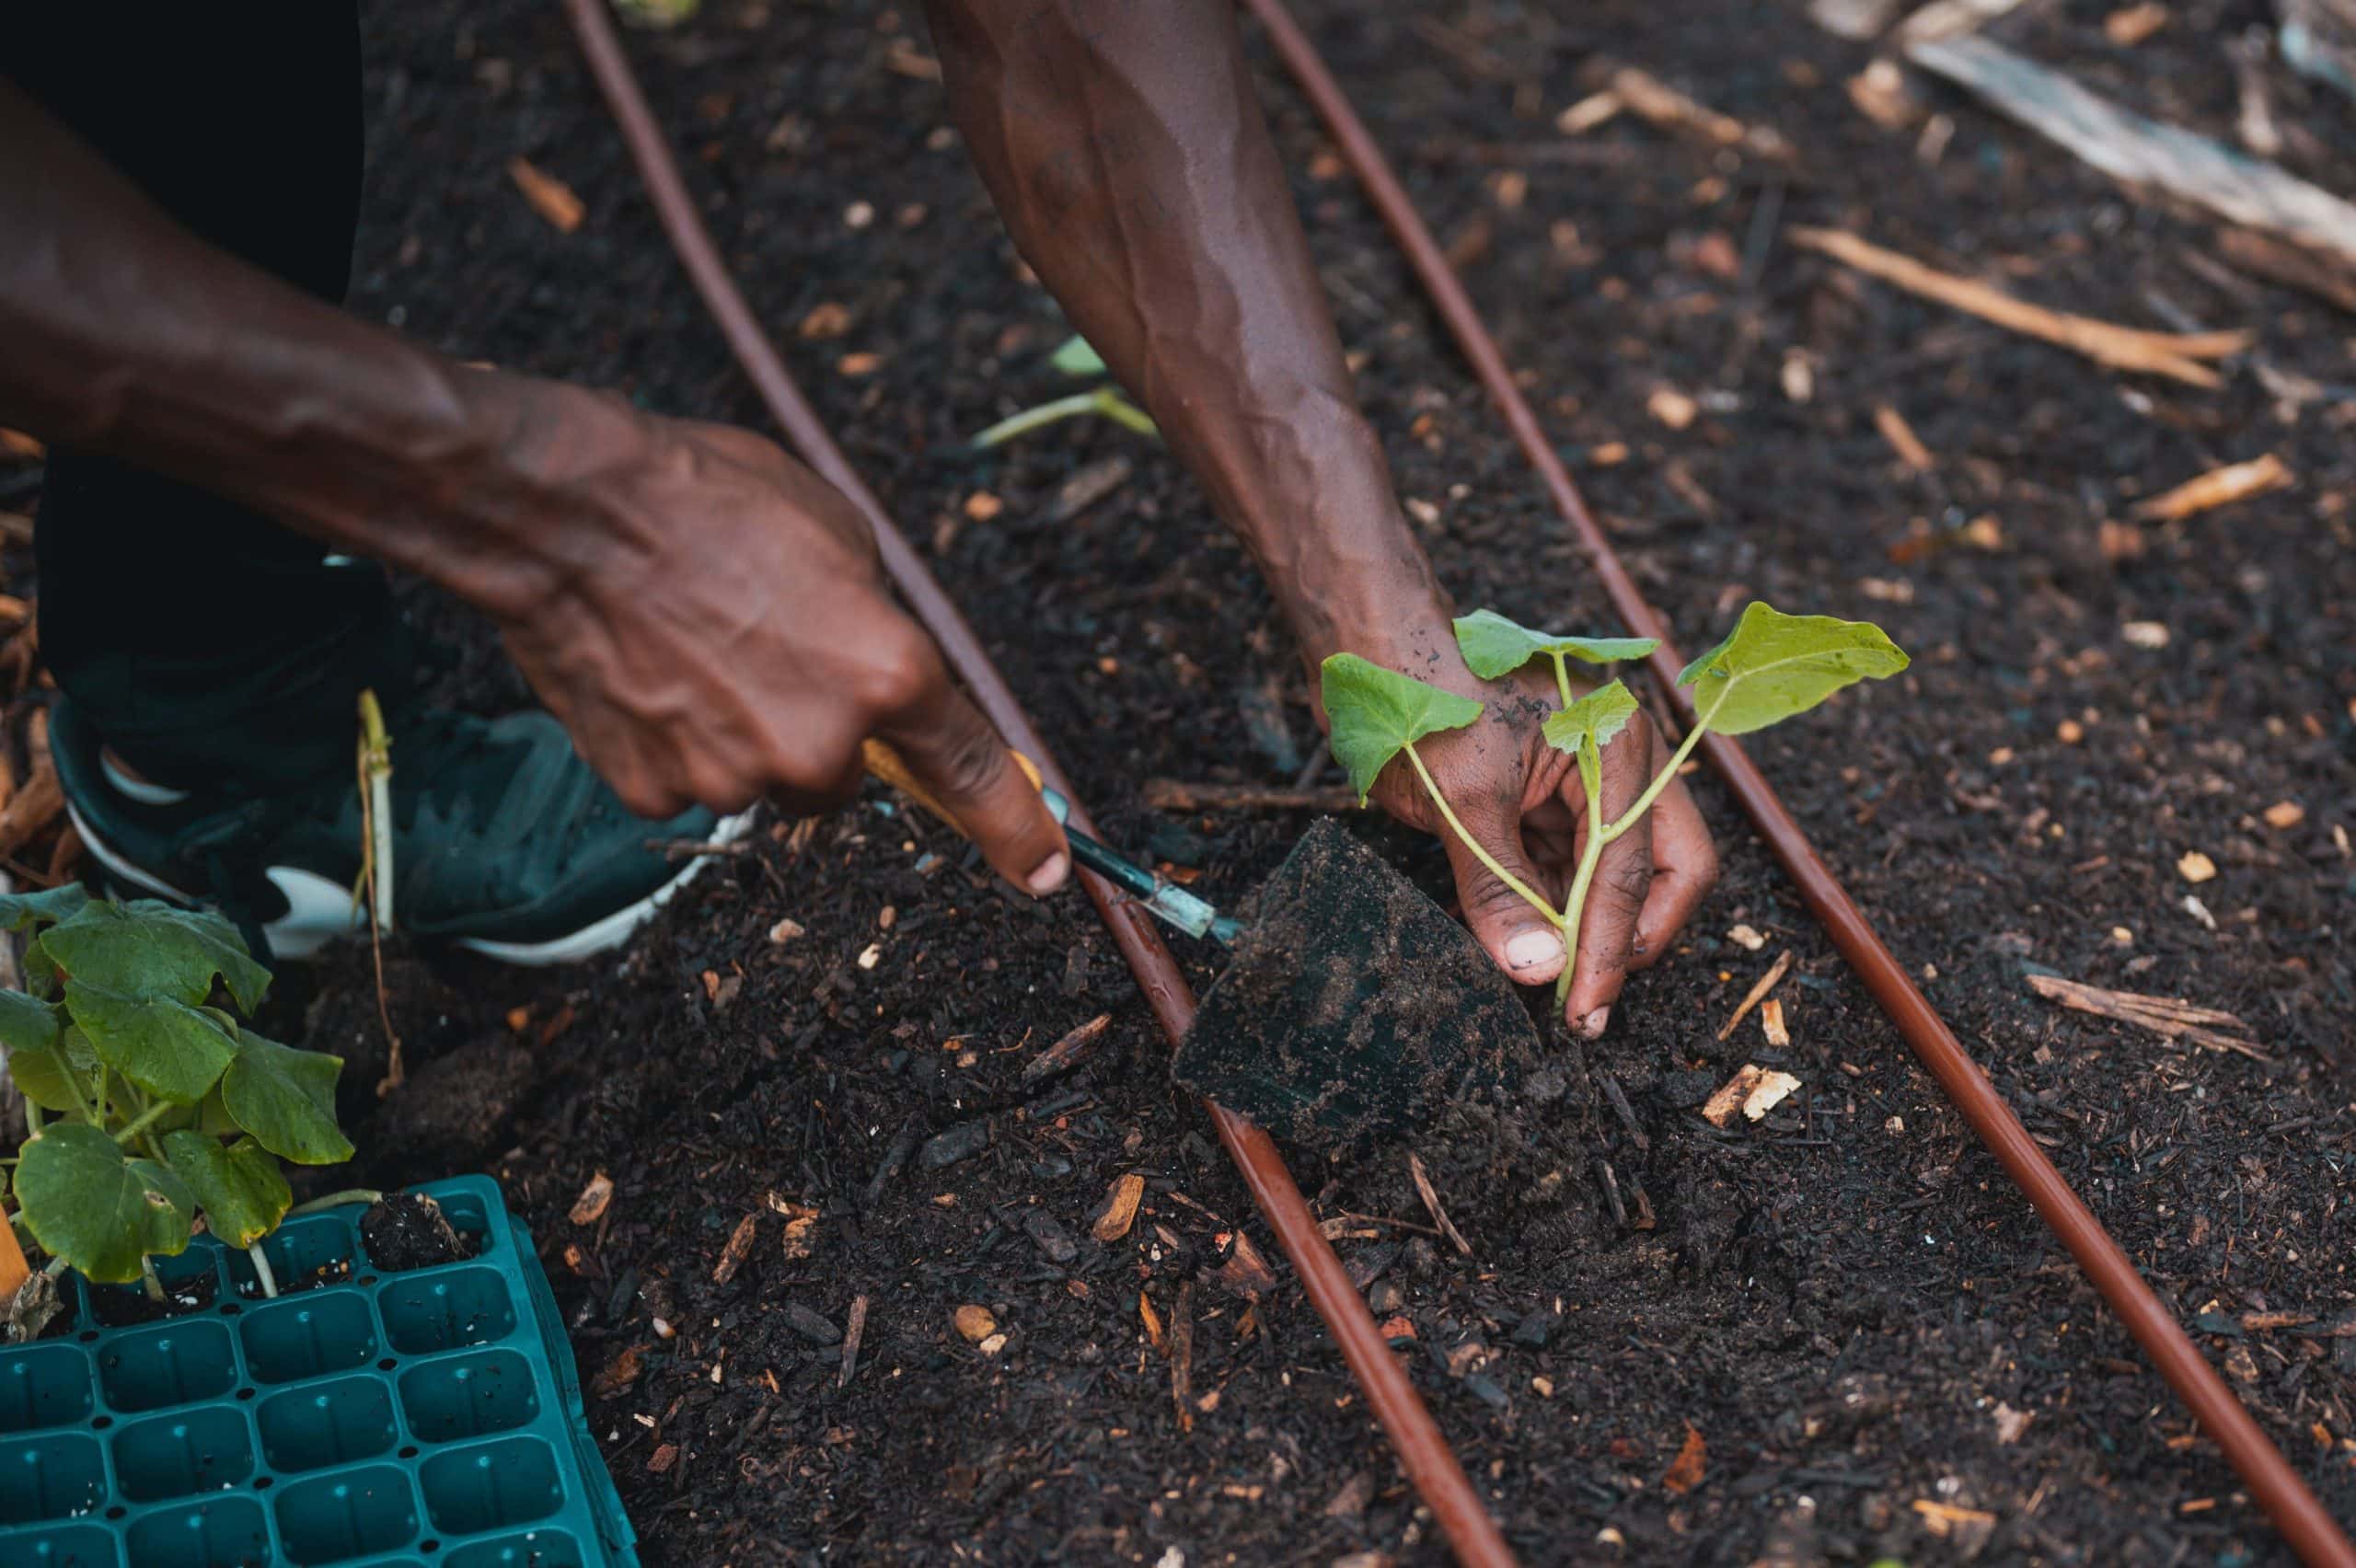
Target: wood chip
590,1206
801,1226
1685,1471
1089,485
2217,487
1246,1273
1584,116
550,197
785,931
2285,814
618,1374
981,506
1770,1023
854,1331
1120,1210
739,1247
664,1458
2174,355
829,318
2161,1015
2131,25
1753,1090
1948,1519
2195,867
1154,1334
1903,439
1672,407
1431,1202
1758,993
975,1323
2140,152
858,364
1067,1052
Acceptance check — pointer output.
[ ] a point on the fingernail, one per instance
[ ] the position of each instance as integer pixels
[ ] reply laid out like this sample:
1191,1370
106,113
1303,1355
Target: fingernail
1050,875
1593,1024
1531,949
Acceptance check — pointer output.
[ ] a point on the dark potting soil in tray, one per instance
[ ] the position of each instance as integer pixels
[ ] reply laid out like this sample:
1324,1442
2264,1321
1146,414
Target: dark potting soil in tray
1879,1347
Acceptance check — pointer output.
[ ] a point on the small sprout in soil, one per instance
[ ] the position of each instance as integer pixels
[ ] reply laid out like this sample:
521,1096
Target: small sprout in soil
1076,358
1769,668
164,1105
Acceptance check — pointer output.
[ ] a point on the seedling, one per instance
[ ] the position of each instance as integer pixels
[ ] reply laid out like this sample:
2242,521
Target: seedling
1770,667
1076,358
164,1105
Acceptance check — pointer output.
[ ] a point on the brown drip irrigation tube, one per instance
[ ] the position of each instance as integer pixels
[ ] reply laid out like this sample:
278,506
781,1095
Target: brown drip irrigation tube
1424,1453
2294,1508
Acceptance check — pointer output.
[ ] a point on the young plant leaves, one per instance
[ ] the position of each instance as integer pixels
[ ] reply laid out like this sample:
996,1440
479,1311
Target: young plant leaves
1600,716
164,1046
1773,665
1494,646
100,1212
149,949
26,911
237,1186
63,1076
1376,713
1078,356
285,1098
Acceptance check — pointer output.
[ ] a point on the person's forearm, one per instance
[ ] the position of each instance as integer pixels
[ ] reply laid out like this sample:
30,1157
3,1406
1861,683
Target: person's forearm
125,334
1131,163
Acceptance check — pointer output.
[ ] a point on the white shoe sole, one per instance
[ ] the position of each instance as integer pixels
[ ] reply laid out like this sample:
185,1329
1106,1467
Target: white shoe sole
320,911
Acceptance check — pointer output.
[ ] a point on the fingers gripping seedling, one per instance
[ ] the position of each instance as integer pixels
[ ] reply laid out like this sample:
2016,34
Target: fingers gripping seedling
1769,668
166,1106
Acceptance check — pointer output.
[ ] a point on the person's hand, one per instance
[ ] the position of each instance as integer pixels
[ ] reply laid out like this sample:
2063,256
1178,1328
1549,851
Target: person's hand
1524,802
713,627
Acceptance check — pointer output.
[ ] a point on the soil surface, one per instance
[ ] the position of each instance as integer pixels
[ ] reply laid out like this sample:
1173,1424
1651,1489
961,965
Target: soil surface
1835,1334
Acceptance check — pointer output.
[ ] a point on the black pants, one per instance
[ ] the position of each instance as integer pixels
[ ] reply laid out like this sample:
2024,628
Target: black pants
206,643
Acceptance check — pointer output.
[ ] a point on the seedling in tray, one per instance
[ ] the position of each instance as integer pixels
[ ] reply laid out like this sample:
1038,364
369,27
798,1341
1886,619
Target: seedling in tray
164,1105
1769,668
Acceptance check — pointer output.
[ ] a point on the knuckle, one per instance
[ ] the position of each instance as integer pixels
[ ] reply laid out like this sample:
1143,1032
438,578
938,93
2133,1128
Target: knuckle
897,674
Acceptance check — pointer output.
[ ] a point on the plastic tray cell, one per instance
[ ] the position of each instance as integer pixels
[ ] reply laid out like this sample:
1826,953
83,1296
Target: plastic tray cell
447,1309
226,1532
310,1335
201,1448
50,1477
382,1419
339,1422
43,1385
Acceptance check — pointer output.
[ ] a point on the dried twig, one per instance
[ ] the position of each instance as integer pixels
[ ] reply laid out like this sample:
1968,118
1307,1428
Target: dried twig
1661,106
1431,1201
2293,266
2161,1015
2139,152
2217,487
1065,1053
1182,1355
2175,354
550,197
1767,982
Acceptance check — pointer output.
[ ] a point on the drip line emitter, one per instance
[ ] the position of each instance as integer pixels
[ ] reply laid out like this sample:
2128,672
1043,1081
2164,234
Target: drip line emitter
1430,1465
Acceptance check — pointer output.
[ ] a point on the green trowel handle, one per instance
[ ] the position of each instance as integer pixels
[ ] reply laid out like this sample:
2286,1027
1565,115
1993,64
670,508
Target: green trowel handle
1163,898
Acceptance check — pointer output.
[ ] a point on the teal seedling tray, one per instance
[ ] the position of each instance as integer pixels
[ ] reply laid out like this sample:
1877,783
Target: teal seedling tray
428,1418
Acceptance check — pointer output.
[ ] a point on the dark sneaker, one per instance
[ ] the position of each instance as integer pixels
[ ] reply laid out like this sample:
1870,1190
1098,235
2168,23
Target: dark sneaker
503,842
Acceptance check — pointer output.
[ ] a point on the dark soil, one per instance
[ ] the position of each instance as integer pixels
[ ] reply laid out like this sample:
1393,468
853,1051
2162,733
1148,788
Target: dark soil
1843,1311
408,1230
1353,1008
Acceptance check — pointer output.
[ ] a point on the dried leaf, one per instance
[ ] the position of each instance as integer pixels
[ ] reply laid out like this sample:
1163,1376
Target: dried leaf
1685,1471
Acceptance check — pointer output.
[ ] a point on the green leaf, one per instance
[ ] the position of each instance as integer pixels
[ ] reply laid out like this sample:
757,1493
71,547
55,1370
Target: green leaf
26,1023
1494,646
1078,356
285,1098
56,1077
26,911
150,949
1773,665
1600,716
85,1203
165,1047
1377,712
240,1188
